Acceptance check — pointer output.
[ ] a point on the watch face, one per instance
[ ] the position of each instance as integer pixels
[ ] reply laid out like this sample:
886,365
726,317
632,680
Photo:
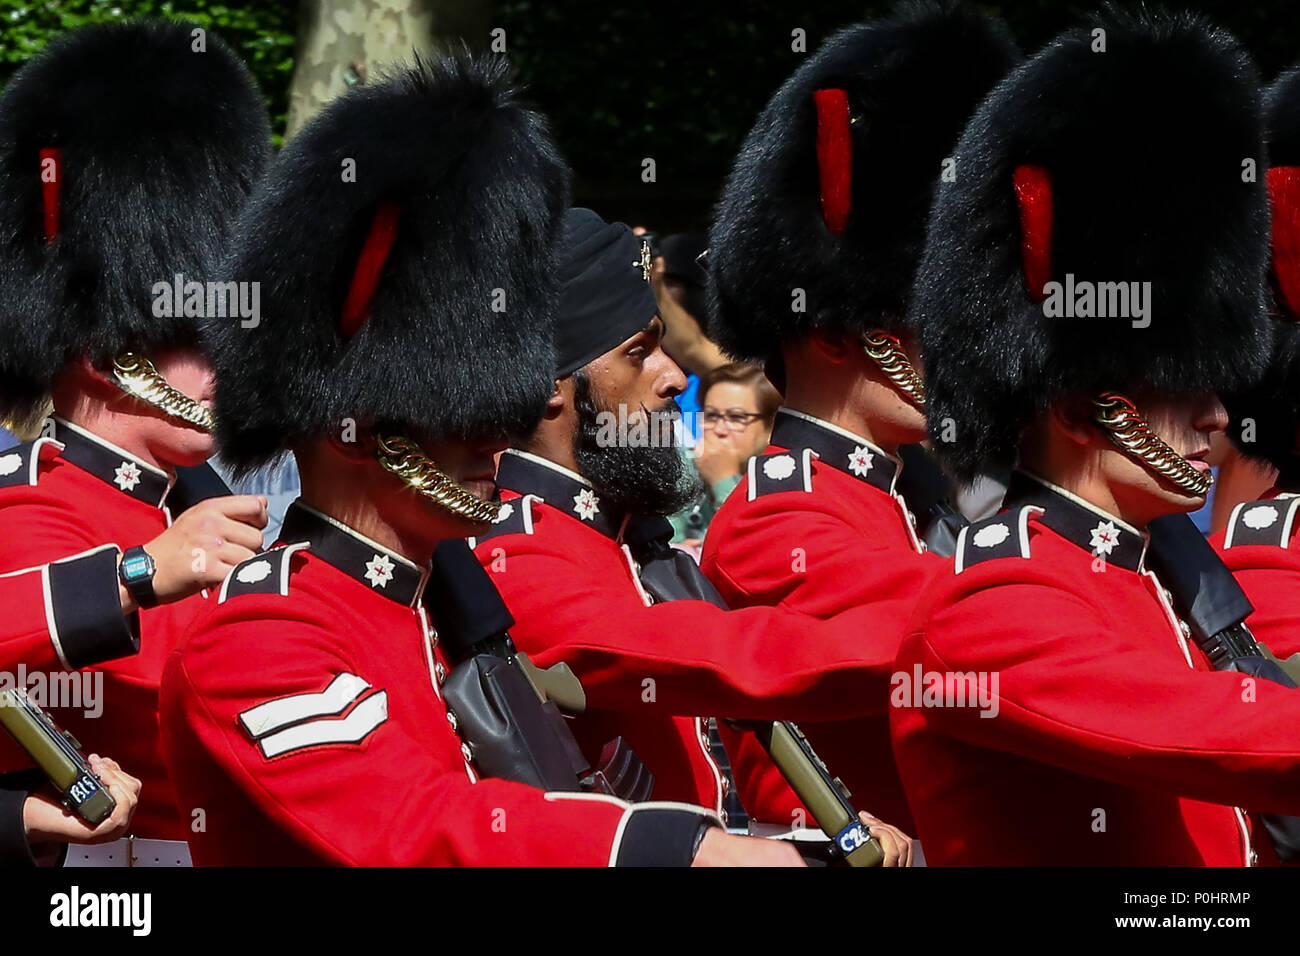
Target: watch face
137,566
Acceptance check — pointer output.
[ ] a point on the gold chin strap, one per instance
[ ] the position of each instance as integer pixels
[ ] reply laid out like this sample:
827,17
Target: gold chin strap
1119,418
404,459
136,375
887,352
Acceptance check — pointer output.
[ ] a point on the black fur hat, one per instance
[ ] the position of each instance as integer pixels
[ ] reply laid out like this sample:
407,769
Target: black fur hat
1142,163
1266,417
830,191
457,206
151,145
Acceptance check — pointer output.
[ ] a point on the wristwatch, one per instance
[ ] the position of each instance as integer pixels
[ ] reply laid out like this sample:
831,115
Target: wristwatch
136,573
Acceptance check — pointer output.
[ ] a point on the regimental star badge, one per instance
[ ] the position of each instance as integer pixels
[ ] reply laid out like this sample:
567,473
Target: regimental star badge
860,461
127,475
645,262
586,504
379,570
1104,537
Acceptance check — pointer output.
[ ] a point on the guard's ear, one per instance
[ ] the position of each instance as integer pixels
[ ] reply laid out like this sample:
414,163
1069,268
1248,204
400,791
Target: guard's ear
561,398
94,381
834,347
354,449
1073,418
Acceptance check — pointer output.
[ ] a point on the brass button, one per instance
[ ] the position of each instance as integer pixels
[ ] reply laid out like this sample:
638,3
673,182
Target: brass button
451,719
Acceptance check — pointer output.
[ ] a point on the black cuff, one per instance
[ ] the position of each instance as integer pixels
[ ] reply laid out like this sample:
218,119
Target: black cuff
14,848
89,626
662,837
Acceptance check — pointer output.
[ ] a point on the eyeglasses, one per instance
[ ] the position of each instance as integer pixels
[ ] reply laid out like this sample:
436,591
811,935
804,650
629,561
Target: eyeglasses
736,418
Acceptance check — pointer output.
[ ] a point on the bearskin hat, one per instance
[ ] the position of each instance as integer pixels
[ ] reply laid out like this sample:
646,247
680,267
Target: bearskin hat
830,191
126,151
1122,156
1266,417
405,244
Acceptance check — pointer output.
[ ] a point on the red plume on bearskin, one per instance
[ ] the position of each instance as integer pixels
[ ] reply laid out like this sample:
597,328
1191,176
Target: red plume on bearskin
1033,188
834,158
1284,202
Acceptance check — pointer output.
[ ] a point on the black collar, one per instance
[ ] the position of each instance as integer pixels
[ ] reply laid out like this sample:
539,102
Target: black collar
112,465
367,562
560,488
842,450
1079,522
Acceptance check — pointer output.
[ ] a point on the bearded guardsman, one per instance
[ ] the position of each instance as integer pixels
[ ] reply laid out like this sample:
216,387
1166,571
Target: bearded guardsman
406,245
1050,708
580,550
125,153
810,260
1259,543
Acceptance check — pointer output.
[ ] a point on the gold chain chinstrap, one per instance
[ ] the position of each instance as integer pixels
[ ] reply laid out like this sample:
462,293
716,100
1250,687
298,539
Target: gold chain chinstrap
1119,418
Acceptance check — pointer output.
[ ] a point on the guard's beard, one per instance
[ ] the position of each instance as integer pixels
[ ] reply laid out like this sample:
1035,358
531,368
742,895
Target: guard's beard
639,481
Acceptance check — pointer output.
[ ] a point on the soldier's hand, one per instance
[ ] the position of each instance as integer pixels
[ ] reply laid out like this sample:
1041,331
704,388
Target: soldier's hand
203,544
48,822
720,848
896,844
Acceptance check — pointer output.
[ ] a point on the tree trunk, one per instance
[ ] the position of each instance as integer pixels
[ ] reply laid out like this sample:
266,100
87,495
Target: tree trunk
344,43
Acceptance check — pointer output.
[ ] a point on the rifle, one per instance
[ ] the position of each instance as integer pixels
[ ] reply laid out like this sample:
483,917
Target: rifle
670,575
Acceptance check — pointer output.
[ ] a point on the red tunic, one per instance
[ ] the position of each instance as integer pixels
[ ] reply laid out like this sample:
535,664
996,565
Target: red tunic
69,508
303,717
1112,741
816,527
1259,547
573,589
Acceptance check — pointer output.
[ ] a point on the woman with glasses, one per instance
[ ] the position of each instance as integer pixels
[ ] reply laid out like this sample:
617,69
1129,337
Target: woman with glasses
737,406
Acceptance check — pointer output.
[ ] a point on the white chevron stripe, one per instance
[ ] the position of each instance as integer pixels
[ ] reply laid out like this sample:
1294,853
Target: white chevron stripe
274,714
365,717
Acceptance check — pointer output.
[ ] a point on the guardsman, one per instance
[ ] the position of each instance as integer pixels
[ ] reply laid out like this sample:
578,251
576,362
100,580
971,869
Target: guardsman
1091,280
584,500
810,259
125,153
404,243
1259,544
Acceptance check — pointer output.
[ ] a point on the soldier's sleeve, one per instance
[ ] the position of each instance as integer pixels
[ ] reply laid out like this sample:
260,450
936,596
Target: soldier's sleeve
15,851
305,735
59,590
686,657
1270,576
1074,691
811,560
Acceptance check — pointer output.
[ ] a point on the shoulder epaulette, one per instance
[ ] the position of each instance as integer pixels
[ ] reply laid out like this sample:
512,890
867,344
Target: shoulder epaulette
1004,535
21,464
780,471
265,573
1268,521
515,517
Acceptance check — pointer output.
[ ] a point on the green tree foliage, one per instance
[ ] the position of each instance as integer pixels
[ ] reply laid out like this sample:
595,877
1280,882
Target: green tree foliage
261,30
